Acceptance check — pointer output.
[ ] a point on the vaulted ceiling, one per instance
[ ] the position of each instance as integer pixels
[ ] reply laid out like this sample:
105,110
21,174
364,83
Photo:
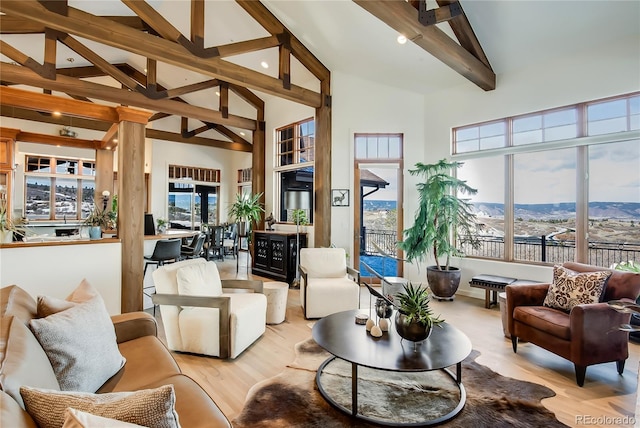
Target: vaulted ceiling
197,63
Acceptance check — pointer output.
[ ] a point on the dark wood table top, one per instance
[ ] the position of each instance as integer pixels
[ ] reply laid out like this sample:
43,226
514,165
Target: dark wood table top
340,335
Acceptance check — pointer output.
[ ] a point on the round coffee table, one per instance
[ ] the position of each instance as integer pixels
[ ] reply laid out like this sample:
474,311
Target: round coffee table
341,336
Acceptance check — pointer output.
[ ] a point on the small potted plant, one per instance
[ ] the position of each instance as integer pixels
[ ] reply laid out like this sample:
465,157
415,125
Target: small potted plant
414,317
97,221
246,209
163,224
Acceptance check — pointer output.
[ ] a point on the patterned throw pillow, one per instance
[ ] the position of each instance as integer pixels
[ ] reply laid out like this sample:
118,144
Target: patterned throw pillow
570,288
147,407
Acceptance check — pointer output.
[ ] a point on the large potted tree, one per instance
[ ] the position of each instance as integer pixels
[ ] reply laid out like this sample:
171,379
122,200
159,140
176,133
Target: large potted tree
444,221
246,209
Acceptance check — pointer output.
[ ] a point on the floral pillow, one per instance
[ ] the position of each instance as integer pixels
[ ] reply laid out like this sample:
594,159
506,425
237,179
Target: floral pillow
570,288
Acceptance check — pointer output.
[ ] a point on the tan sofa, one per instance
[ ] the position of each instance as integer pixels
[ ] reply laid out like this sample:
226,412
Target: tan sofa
148,364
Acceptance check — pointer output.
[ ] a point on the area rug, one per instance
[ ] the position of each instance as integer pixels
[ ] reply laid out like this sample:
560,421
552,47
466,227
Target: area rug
292,399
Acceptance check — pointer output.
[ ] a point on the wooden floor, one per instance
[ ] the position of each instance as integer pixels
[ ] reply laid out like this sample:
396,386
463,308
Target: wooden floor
604,397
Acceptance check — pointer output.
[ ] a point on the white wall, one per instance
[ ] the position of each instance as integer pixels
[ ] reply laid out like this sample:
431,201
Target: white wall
360,106
604,71
56,270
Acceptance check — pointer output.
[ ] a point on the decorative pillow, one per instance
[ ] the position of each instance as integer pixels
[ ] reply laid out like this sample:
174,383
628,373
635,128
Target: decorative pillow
199,280
81,345
50,305
77,419
570,288
147,407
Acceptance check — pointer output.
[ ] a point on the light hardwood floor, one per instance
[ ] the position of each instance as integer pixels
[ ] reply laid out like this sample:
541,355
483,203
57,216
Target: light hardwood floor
606,399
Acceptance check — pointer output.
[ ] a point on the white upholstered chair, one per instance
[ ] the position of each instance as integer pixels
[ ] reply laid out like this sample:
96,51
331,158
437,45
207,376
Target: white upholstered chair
327,284
205,315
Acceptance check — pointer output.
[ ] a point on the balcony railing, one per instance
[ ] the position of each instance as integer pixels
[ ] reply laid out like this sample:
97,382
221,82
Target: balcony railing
531,248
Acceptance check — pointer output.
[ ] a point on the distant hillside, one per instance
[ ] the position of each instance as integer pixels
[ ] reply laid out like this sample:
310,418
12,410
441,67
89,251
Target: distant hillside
375,205
597,210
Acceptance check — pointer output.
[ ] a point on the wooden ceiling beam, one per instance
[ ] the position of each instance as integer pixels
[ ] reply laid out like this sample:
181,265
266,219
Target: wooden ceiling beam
194,87
197,23
49,103
107,141
15,55
55,140
35,116
98,61
50,50
273,25
120,36
403,17
17,74
209,142
464,33
18,25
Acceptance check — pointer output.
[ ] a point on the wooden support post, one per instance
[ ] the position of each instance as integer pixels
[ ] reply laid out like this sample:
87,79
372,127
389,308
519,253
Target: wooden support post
131,203
104,175
322,172
258,162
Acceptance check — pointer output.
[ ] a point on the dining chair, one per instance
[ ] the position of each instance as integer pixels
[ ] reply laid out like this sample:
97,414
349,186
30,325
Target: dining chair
194,249
165,251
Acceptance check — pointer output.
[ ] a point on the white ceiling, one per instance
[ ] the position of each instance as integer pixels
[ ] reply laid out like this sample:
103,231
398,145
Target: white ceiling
346,38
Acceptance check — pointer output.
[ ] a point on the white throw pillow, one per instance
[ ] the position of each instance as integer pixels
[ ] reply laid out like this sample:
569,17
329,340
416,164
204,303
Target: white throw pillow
147,407
81,345
199,279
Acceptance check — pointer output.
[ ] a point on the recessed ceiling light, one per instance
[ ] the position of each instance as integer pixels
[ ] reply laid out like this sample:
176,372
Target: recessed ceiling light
108,147
218,93
402,39
115,140
56,113
242,133
264,64
145,70
71,59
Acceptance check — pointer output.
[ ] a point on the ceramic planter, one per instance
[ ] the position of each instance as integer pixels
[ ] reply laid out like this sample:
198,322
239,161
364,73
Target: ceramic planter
443,283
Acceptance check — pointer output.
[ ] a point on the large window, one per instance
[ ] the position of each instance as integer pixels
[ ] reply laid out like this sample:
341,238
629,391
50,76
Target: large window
193,196
72,182
295,156
571,183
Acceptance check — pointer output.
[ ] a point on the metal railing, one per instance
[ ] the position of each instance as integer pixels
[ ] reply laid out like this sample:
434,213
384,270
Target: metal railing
531,248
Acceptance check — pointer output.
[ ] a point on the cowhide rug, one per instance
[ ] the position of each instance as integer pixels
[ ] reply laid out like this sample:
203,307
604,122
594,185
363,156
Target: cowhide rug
291,399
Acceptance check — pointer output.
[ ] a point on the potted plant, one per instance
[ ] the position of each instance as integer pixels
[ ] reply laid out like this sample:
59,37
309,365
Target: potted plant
443,221
414,317
246,209
163,224
97,221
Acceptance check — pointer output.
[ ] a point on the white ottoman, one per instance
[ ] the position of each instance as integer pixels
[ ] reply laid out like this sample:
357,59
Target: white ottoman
276,293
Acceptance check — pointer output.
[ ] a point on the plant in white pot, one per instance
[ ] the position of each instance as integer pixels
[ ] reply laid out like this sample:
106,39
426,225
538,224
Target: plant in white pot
443,222
246,209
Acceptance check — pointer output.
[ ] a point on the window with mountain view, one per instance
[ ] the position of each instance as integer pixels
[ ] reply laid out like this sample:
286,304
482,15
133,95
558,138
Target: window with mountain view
73,184
560,165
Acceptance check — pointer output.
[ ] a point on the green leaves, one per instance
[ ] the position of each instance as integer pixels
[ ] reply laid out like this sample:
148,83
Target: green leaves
442,215
414,304
246,207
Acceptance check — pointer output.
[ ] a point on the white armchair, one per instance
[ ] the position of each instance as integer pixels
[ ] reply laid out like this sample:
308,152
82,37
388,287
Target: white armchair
327,284
202,314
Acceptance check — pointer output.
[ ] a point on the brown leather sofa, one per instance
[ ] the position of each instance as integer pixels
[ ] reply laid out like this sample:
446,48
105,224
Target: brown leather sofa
148,364
587,335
